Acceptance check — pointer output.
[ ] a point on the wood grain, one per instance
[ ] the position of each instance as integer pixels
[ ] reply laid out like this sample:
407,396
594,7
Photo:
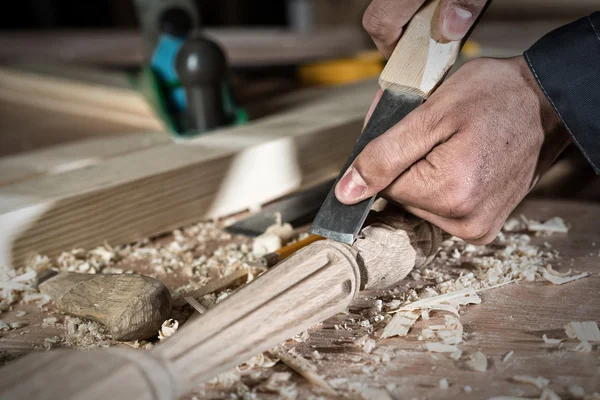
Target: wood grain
422,57
131,306
70,156
158,189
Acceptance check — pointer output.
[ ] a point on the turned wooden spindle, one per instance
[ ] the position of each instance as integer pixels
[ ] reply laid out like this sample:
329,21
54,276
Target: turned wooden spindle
310,286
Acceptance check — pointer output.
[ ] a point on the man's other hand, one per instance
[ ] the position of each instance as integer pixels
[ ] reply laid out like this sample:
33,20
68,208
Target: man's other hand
384,20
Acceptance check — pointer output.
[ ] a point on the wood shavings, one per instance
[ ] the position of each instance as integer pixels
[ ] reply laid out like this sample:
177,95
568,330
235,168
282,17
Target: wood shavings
226,379
260,361
366,343
444,384
458,298
301,337
451,332
20,313
41,299
553,225
583,347
85,334
303,367
477,362
277,383
400,324
548,394
551,271
50,321
338,383
539,382
4,326
584,331
551,341
441,348
576,391
507,356
168,328
558,280
50,342
274,237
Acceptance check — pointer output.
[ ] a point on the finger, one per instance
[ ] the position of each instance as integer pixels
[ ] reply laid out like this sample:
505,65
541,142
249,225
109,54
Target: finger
384,20
457,17
372,107
387,156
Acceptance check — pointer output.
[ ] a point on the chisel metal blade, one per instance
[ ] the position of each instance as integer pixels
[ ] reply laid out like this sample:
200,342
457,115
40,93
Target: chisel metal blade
342,222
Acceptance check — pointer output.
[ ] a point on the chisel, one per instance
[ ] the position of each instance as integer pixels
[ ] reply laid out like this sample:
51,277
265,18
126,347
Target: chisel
417,66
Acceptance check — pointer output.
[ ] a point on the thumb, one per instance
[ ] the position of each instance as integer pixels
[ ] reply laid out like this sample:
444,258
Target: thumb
457,17
389,155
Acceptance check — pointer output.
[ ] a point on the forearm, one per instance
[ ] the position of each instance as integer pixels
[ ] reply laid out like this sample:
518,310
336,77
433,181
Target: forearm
566,65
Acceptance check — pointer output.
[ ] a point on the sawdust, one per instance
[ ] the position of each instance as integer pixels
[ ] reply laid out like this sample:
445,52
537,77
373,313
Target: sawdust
273,238
444,384
196,252
507,356
477,362
584,331
539,382
548,340
168,329
560,280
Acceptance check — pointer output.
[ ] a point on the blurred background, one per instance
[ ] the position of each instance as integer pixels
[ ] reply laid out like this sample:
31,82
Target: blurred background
101,69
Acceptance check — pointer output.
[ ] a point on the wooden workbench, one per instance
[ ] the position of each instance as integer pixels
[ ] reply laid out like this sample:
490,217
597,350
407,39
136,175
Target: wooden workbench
510,318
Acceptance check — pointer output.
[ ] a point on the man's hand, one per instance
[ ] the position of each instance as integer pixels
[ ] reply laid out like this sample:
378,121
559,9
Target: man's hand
466,157
384,20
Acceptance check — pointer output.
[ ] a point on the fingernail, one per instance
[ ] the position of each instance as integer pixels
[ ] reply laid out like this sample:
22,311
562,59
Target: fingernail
351,187
457,22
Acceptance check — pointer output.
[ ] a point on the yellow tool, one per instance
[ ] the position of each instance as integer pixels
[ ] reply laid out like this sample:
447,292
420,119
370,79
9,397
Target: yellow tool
364,65
269,260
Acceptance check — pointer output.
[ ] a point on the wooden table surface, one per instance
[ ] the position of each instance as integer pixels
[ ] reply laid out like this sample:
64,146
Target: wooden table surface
510,318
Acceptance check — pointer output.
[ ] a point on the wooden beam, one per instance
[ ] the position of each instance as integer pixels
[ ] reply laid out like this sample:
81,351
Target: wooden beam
75,96
151,191
71,156
244,47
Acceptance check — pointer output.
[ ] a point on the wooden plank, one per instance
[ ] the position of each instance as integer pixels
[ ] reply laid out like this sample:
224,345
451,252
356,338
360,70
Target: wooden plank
244,47
155,190
72,96
80,154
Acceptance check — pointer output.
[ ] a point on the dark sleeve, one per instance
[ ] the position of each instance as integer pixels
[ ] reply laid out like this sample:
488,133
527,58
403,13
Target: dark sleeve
566,65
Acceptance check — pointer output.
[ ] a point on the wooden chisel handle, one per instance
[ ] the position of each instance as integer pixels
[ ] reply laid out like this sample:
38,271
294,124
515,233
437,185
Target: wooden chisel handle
422,57
310,286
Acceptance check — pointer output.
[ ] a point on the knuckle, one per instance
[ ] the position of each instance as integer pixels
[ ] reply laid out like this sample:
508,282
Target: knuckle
380,160
376,23
474,230
461,199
